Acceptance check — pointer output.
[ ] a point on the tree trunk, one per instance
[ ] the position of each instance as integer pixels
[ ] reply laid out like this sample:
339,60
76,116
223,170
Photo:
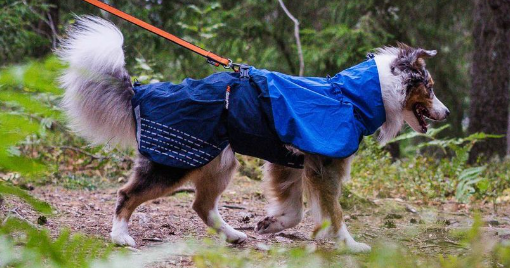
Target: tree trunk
490,76
508,137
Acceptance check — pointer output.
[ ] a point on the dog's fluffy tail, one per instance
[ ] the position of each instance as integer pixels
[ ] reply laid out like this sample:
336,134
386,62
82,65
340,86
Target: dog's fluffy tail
97,86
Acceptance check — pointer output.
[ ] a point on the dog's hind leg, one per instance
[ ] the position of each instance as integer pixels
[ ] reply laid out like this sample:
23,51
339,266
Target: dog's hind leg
210,181
285,189
148,181
323,183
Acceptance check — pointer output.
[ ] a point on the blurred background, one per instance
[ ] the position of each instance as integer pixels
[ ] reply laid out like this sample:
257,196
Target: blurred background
462,160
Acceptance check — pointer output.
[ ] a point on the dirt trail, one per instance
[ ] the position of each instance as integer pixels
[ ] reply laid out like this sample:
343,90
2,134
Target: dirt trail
425,230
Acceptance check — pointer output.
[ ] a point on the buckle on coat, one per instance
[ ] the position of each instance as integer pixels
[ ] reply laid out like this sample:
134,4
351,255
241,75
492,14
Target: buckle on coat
244,71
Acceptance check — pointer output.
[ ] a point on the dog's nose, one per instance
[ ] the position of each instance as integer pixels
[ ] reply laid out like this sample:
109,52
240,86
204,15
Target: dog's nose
447,113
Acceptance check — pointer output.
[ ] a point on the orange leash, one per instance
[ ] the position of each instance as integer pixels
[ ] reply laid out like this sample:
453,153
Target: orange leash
211,57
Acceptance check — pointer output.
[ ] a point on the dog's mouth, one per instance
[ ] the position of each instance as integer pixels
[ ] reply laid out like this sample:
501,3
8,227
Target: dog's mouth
421,112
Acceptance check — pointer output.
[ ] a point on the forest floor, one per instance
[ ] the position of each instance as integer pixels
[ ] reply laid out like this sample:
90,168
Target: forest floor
424,230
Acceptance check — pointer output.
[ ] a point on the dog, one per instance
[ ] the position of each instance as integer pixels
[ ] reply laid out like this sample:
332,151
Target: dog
102,106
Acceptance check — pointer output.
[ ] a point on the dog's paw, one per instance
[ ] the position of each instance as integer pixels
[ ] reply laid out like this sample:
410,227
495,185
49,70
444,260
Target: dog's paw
269,225
357,247
236,237
122,239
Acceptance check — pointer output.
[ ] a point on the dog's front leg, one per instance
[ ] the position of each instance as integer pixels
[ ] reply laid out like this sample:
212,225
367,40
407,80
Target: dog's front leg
284,188
323,183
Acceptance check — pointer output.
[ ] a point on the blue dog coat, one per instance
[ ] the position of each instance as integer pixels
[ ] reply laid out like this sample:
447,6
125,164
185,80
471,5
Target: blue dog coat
258,113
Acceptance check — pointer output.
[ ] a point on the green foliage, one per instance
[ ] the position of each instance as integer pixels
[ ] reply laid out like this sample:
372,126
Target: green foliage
456,166
468,178
420,175
18,33
339,46
33,138
27,111
23,115
13,130
39,249
27,108
35,203
30,123
250,167
145,73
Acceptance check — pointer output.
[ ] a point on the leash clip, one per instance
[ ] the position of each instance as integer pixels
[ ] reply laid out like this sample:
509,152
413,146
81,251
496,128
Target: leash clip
231,65
234,66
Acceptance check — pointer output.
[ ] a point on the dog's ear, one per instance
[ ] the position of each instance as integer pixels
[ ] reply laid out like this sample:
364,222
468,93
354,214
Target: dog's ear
423,53
419,57
410,58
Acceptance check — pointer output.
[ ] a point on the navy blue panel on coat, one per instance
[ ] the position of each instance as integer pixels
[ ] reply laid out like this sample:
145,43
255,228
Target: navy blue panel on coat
182,125
187,125
251,126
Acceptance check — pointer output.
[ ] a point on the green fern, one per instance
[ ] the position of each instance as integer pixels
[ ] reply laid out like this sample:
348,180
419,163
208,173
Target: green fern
24,113
456,168
24,107
41,250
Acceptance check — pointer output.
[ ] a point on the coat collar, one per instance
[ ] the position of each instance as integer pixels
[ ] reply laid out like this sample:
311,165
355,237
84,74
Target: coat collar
360,86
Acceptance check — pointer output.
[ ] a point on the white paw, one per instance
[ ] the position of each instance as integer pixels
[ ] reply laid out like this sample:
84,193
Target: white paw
235,237
324,234
123,239
357,247
269,225
350,243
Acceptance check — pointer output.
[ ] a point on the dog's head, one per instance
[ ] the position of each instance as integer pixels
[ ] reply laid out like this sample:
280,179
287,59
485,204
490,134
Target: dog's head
420,102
